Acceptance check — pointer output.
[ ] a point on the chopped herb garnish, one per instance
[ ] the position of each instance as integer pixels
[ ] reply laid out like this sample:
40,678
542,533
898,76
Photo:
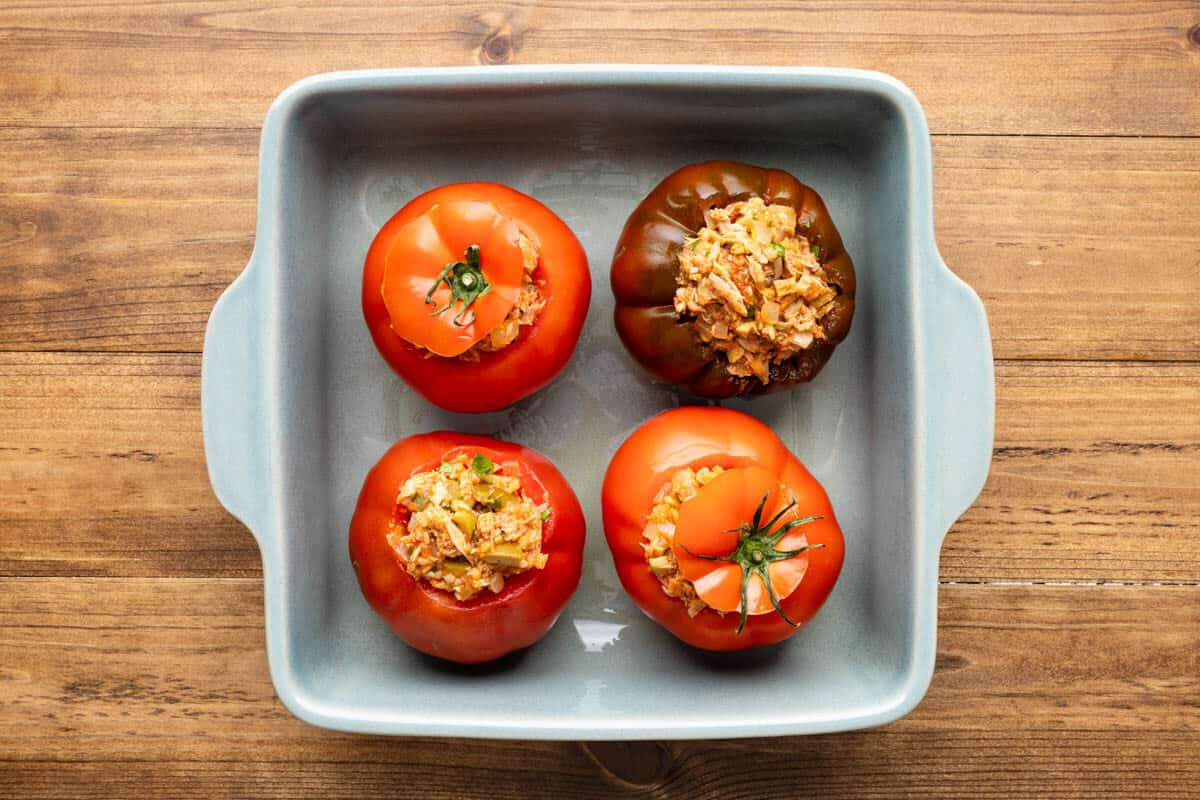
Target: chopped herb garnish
482,464
445,468
816,248
779,249
545,514
420,501
695,243
750,311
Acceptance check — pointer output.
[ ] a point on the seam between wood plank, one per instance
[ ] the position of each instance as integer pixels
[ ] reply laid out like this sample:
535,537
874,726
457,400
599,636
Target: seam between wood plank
6,126
544,744
1006,361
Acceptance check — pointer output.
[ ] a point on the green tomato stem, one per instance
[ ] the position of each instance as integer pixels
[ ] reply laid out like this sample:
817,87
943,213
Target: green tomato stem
756,550
466,282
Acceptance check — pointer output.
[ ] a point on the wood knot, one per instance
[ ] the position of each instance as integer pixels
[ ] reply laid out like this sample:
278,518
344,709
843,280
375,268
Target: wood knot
496,35
949,662
1194,35
631,763
497,48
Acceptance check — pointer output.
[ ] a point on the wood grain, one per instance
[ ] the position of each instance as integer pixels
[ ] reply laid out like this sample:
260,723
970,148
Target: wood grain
874,765
104,474
165,677
1051,67
1063,238
122,240
132,659
1095,477
102,470
117,239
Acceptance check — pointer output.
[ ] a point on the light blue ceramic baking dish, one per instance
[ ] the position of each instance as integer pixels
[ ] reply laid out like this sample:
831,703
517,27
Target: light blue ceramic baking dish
297,404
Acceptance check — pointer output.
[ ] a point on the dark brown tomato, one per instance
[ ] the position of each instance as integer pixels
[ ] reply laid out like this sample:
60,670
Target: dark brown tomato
647,259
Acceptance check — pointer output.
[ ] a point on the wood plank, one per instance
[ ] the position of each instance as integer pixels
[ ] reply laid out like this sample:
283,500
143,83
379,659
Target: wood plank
166,681
1095,477
1055,66
102,474
1061,237
102,470
122,240
1051,765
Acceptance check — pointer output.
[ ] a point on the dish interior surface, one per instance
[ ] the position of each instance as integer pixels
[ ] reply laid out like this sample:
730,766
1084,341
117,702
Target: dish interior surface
347,162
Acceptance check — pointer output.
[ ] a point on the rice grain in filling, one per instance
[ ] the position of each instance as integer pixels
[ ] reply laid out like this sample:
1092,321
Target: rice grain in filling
752,287
470,527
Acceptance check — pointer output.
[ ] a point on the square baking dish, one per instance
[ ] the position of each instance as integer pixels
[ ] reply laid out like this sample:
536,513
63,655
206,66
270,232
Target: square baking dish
297,404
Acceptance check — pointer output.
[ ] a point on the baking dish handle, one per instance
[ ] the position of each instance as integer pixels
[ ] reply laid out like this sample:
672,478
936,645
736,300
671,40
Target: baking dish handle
231,403
960,397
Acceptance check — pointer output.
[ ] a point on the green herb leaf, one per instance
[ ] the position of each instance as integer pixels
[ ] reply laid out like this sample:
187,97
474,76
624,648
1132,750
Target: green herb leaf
750,312
482,464
545,514
779,249
816,248
445,468
695,243
420,501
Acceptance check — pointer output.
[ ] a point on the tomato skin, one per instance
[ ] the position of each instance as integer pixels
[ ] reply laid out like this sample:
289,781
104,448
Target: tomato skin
489,625
694,436
647,258
542,349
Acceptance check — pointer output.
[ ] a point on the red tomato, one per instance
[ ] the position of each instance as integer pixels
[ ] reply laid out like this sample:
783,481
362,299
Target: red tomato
738,529
433,621
447,268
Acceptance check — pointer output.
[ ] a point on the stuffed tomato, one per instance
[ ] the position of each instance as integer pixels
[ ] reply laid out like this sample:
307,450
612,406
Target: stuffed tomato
731,279
717,531
468,547
475,294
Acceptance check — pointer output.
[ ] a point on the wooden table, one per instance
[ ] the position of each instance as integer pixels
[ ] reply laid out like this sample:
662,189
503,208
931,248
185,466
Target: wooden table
1067,153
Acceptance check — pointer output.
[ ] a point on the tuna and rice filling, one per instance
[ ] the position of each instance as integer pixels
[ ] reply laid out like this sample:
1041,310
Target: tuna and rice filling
659,533
470,527
753,287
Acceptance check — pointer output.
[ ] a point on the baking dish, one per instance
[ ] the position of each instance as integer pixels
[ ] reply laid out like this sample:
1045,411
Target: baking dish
297,404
